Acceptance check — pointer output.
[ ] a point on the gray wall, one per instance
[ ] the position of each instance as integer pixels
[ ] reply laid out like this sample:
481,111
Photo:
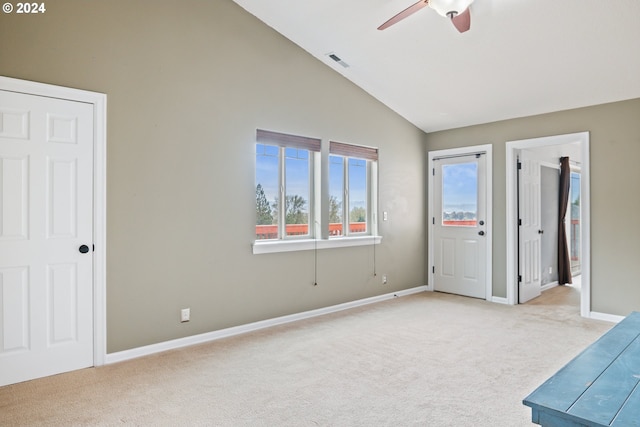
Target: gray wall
614,151
188,83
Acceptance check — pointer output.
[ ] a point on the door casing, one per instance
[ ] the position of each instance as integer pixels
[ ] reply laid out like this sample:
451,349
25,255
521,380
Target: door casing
512,148
462,151
99,102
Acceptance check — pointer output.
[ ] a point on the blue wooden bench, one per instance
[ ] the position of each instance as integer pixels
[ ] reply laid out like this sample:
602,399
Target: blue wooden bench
597,388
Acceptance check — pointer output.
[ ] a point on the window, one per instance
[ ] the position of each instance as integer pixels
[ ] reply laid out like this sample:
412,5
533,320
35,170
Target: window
574,228
357,195
291,203
460,194
284,190
350,172
267,190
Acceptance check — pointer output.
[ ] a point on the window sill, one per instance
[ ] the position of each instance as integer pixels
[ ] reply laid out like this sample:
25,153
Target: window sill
273,246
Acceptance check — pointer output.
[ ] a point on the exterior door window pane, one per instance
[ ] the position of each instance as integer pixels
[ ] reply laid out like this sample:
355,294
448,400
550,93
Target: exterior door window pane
336,195
266,191
460,194
357,195
297,192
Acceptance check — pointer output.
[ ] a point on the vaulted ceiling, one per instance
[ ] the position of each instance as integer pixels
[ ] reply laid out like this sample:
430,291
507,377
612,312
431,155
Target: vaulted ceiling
520,57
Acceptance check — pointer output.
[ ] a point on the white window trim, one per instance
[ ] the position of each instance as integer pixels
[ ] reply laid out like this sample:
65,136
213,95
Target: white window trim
372,192
313,146
320,213
275,246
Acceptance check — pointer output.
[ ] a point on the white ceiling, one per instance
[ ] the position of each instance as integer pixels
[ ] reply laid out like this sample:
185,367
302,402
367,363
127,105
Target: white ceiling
520,57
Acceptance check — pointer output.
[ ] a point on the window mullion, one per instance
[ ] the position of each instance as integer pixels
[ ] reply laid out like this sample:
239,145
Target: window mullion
282,214
310,208
372,191
345,204
369,215
321,185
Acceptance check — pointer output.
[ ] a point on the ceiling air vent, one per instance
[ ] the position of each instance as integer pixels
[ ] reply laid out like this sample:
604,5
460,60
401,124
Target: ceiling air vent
337,59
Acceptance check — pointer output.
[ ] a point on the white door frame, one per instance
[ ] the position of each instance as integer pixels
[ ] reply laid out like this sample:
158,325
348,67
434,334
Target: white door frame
512,148
452,152
99,102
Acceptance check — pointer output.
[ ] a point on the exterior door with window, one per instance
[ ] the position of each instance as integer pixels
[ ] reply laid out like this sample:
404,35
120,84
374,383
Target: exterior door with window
460,225
46,235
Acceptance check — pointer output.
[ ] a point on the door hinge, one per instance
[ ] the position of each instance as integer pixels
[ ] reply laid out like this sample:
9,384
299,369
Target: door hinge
519,165
519,221
93,248
519,278
433,269
433,171
433,220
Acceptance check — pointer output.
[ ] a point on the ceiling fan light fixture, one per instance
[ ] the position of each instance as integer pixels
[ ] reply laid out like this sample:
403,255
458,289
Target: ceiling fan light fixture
450,8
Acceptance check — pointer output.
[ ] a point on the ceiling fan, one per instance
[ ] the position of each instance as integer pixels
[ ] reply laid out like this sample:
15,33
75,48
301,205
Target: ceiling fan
456,10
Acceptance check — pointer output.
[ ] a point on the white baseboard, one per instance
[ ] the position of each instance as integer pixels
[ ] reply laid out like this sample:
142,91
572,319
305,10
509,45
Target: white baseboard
606,317
499,300
147,350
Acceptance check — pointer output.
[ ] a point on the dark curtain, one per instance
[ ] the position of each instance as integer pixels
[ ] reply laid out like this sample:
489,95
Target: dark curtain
564,264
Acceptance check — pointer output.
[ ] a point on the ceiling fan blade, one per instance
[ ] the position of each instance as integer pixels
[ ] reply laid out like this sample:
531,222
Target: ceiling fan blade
462,22
408,11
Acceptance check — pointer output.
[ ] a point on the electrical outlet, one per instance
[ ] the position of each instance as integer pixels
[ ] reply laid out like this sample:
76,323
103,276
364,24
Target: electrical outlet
550,270
384,279
185,315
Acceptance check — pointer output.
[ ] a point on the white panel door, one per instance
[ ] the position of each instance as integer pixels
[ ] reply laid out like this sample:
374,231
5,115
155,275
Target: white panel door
46,199
459,225
530,228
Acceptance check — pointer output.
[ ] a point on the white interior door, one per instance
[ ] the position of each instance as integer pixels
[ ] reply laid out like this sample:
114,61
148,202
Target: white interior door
459,225
46,199
530,228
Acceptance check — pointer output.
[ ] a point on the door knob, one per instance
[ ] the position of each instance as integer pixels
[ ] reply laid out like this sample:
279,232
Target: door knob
481,233
83,249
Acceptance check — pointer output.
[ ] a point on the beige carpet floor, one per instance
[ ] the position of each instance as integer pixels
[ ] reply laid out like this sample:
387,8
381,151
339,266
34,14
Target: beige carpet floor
429,359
